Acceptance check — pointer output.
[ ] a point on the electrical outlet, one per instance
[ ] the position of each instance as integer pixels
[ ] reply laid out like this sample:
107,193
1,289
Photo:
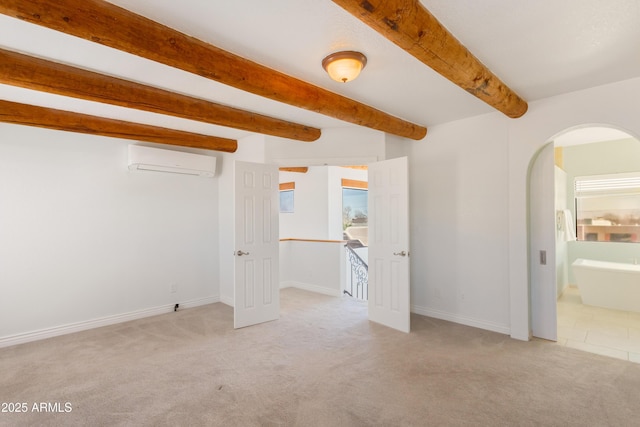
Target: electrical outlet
174,288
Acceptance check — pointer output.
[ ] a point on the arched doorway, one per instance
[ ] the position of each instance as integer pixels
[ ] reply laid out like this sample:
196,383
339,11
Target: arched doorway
587,150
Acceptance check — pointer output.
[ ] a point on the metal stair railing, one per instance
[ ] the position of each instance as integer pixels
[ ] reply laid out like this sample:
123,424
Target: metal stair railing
359,286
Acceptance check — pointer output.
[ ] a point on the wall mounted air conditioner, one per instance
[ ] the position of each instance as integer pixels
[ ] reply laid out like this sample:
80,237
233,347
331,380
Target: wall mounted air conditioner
143,158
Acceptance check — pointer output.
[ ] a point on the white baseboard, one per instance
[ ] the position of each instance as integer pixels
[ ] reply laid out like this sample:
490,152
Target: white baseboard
227,300
310,288
103,321
482,324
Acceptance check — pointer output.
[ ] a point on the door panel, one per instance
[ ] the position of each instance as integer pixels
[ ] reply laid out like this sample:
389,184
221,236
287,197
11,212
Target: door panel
389,302
256,264
542,246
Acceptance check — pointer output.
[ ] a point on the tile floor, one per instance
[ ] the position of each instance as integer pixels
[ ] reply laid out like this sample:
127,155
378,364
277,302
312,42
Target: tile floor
598,330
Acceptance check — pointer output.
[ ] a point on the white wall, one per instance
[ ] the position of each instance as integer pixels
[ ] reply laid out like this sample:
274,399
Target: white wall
313,266
396,146
336,146
459,222
83,239
317,202
309,220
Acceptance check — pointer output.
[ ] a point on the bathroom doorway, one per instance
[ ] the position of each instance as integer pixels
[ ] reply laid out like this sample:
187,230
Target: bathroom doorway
587,151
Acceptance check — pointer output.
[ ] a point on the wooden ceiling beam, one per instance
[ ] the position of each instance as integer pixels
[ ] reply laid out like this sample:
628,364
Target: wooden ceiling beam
33,73
408,24
301,169
113,26
29,115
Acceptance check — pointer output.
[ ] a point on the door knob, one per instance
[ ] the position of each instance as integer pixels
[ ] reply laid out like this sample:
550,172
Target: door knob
403,253
240,253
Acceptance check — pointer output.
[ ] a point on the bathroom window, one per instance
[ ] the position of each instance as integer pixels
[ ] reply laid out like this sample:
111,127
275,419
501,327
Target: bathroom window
608,208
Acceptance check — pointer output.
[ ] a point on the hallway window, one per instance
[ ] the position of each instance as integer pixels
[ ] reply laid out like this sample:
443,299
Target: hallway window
355,224
286,197
608,208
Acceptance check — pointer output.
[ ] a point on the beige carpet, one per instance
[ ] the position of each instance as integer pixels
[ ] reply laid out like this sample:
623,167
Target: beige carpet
322,364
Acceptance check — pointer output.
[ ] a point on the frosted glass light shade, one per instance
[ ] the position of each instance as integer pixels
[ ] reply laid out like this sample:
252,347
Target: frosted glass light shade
344,66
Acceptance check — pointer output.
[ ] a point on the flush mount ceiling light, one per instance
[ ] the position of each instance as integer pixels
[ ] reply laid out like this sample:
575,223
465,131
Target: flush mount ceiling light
344,66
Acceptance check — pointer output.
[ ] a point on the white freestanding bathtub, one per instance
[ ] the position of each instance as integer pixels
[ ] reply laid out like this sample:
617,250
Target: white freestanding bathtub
608,284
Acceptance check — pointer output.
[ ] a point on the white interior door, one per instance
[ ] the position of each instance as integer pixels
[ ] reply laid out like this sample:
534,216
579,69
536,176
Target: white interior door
389,244
256,264
542,248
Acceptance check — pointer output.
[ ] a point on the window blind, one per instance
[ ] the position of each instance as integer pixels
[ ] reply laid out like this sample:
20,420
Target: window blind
607,185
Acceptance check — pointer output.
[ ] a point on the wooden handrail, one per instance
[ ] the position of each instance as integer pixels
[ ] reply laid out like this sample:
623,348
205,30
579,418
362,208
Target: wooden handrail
289,239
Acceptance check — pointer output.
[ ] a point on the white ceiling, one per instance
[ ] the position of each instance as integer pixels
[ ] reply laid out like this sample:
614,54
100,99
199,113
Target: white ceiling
539,48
